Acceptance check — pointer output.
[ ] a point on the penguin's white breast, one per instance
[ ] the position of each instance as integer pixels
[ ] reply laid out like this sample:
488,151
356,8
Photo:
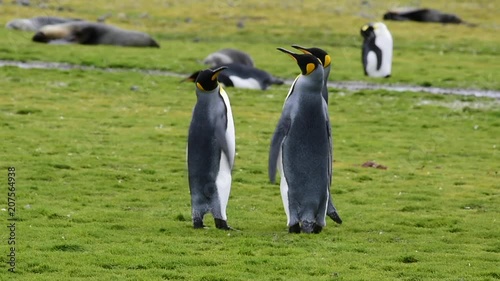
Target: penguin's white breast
230,132
371,63
223,183
224,178
283,185
384,42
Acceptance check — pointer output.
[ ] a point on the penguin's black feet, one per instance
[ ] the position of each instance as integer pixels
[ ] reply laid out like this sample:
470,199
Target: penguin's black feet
198,223
317,229
222,224
294,228
335,217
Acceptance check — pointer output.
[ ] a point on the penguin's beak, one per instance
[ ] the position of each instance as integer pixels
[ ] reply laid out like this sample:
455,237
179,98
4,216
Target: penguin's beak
300,48
191,78
293,55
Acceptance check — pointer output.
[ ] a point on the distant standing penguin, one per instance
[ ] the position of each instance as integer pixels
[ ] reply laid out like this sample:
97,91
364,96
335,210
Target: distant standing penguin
301,149
211,150
377,50
326,62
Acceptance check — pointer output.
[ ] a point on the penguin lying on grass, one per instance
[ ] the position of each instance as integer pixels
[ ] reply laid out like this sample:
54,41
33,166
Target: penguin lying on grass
301,149
93,33
243,76
228,56
33,24
210,150
376,50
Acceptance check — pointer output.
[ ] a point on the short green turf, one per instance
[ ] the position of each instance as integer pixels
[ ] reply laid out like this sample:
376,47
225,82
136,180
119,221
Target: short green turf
100,165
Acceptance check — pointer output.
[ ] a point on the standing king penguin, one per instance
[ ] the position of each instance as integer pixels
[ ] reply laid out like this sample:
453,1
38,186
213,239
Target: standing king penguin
210,150
301,149
326,60
377,50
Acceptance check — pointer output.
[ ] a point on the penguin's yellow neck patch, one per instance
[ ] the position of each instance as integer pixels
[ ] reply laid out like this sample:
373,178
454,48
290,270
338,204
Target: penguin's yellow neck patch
328,60
199,86
310,68
365,27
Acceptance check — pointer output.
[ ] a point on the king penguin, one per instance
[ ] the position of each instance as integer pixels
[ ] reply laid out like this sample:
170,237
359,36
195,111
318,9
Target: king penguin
210,150
326,60
301,149
377,50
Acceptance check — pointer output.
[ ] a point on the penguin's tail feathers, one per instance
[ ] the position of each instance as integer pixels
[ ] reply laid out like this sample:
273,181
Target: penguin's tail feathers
310,227
335,217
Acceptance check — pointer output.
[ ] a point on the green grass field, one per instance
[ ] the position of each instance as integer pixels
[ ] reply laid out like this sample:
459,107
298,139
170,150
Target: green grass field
101,178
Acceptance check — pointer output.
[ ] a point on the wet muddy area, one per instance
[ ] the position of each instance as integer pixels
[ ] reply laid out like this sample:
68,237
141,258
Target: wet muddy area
345,85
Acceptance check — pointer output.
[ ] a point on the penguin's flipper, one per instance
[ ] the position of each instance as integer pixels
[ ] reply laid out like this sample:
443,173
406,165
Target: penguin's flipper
364,58
278,137
331,211
220,135
378,54
328,128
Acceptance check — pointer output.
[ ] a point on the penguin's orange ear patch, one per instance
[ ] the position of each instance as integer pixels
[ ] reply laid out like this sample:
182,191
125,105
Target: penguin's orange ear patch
364,28
199,86
328,60
310,67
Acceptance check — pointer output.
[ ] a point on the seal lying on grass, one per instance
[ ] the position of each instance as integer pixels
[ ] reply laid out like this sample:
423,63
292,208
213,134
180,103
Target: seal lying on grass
423,15
93,33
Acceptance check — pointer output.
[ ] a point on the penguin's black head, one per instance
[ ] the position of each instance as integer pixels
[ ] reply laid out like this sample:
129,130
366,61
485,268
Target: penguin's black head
367,30
317,52
207,79
307,62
